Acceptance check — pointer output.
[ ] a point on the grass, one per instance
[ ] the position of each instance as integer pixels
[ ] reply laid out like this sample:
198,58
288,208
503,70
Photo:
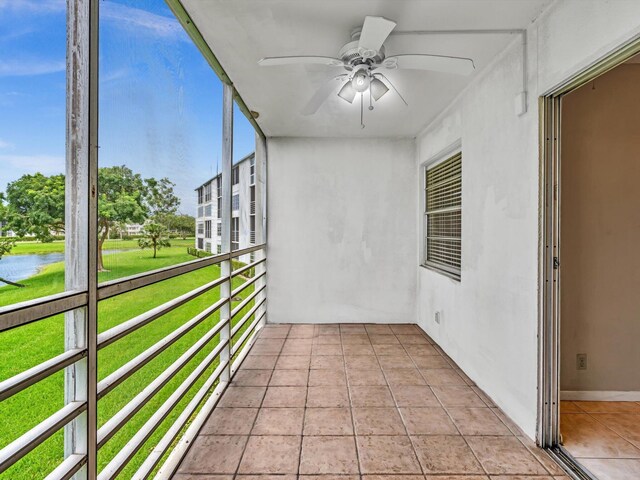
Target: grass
26,247
27,346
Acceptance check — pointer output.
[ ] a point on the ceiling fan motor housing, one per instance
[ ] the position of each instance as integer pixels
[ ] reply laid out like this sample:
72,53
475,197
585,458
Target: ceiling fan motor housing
351,55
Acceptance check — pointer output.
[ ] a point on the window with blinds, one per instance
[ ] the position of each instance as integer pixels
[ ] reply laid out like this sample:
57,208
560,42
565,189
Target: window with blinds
443,216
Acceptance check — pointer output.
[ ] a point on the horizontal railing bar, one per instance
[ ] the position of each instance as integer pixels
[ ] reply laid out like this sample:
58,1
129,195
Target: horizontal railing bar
67,469
23,313
248,315
236,346
115,423
132,366
125,328
240,271
122,285
124,456
244,251
25,379
246,301
247,284
171,464
38,434
165,443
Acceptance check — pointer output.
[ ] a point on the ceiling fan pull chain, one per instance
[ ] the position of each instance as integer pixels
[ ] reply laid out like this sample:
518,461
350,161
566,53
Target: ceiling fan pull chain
362,110
370,100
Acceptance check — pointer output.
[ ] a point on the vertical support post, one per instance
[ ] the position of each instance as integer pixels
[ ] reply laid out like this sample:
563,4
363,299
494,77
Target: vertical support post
80,435
92,239
225,266
76,208
261,217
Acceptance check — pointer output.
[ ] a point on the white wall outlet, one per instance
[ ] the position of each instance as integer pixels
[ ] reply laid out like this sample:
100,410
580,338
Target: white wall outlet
581,361
437,317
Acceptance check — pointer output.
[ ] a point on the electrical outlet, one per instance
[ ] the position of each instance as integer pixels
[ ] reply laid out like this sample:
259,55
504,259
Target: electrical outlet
437,317
581,361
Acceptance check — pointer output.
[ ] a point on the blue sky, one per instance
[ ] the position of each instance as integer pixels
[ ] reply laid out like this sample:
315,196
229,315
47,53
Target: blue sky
160,102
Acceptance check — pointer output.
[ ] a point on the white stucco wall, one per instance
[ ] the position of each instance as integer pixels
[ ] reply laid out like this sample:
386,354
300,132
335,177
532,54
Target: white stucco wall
490,319
341,228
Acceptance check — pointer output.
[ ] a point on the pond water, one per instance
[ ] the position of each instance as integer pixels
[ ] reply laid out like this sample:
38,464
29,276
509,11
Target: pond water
19,267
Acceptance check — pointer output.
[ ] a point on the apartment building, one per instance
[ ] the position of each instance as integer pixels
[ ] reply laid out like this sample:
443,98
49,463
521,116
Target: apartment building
243,212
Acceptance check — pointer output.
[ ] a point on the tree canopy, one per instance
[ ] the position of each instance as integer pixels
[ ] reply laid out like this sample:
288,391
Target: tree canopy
35,205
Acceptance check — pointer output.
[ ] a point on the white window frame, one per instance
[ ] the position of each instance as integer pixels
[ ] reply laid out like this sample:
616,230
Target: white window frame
442,156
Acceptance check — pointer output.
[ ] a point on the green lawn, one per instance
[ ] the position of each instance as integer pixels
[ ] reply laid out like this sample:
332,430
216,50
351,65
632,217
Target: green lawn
57,246
27,346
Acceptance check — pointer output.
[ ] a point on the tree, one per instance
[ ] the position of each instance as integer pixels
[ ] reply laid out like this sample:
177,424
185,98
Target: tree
121,198
183,225
160,199
5,247
154,236
35,205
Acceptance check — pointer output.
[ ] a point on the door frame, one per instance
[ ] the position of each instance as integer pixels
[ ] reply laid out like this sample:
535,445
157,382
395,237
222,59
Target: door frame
550,135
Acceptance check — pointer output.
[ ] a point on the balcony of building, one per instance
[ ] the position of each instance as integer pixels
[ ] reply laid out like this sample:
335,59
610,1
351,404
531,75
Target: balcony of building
371,295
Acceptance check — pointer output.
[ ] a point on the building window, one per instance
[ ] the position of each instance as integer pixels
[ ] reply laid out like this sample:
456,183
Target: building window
207,229
252,171
207,210
235,233
200,196
235,176
252,229
443,216
207,192
219,249
200,228
208,247
200,243
200,211
219,229
219,192
235,203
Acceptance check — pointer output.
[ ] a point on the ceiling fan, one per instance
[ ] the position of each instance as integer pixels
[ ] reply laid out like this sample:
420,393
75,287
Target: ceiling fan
364,60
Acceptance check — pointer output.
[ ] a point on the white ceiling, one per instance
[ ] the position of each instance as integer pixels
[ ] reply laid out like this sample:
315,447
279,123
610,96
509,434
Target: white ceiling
241,32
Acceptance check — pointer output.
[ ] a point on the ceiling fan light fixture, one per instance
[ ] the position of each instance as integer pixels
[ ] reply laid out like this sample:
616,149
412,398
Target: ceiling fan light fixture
347,92
361,81
378,89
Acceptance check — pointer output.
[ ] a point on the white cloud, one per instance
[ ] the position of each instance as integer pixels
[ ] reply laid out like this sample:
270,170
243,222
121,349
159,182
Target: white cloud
33,6
4,144
142,21
25,67
13,167
45,164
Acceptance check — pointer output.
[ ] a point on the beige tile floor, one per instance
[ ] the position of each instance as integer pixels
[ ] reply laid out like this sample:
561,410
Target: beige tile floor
604,437
358,401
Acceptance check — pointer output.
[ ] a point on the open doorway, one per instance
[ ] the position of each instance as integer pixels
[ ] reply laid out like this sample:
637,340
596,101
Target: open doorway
590,331
600,290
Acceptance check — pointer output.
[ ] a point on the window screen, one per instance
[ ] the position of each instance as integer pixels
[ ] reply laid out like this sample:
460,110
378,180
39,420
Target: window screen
443,216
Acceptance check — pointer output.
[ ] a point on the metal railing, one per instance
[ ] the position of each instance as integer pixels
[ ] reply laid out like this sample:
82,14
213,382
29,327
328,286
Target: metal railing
225,356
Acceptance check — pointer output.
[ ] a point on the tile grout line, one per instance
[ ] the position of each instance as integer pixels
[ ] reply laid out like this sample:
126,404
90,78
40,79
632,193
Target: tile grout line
413,448
244,449
449,415
353,422
487,406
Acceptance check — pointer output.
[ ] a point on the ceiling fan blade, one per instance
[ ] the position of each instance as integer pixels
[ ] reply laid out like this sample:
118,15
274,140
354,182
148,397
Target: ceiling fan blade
375,31
436,63
321,95
295,60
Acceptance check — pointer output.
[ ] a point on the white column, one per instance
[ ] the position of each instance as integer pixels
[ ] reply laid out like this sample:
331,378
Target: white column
261,219
225,266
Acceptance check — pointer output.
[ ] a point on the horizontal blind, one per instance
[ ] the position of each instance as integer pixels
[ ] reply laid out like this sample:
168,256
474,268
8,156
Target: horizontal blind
443,210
